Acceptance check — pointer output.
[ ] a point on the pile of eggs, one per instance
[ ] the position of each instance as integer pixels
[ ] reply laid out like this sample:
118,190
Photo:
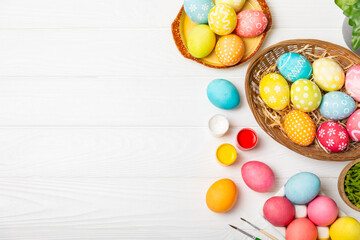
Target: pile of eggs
307,96
225,19
306,215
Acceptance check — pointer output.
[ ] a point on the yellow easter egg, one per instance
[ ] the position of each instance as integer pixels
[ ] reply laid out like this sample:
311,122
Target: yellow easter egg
221,196
274,91
345,228
201,41
230,49
328,74
305,95
299,127
222,19
235,4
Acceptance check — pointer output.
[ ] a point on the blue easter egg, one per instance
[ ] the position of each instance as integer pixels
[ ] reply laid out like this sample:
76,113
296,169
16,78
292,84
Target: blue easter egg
198,10
302,188
337,105
294,66
223,94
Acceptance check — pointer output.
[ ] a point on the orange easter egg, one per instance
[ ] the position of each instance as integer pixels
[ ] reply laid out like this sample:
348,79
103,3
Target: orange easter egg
230,49
221,196
300,128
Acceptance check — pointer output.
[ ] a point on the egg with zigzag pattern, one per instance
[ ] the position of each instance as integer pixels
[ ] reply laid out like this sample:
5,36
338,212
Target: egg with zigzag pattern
294,66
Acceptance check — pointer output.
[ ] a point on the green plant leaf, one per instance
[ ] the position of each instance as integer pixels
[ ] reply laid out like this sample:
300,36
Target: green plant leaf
343,4
355,40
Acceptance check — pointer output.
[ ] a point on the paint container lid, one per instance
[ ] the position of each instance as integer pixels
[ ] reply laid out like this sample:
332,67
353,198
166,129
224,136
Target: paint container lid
246,139
218,125
226,154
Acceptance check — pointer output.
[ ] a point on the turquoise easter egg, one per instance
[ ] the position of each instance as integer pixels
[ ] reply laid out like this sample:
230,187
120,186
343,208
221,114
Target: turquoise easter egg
198,10
223,94
302,188
294,66
337,105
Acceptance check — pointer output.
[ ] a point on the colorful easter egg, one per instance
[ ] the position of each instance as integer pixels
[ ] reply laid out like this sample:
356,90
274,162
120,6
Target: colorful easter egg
301,229
322,211
230,49
235,4
198,10
258,176
337,105
299,127
302,188
305,95
222,19
221,196
294,66
333,136
251,23
274,91
353,126
223,94
352,83
279,211
201,41
328,74
345,228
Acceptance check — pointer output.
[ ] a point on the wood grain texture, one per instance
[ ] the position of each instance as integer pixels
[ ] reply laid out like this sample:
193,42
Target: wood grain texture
148,14
103,123
116,52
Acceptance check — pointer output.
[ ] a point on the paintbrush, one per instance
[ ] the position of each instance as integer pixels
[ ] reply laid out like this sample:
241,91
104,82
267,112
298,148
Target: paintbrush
245,233
260,230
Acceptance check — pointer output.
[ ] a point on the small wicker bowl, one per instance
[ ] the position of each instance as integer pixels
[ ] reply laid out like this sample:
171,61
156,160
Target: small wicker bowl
341,186
265,60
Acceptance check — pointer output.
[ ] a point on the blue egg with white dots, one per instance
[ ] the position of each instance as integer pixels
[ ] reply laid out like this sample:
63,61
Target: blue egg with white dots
294,66
337,105
198,10
223,94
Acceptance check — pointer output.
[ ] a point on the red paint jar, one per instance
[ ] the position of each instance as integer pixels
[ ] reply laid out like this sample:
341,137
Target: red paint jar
246,139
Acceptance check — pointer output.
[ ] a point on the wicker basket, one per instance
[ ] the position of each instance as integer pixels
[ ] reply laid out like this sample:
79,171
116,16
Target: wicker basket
267,58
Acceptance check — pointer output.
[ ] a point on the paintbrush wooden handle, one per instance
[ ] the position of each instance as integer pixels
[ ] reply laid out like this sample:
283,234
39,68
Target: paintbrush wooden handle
268,235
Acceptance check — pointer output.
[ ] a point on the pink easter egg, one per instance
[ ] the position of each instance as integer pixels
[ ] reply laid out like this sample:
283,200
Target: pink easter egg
353,126
352,83
251,23
322,211
333,137
258,176
279,211
301,229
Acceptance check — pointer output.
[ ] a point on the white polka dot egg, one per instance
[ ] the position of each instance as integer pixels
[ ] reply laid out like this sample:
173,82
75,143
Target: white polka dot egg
300,128
274,91
230,49
328,74
305,95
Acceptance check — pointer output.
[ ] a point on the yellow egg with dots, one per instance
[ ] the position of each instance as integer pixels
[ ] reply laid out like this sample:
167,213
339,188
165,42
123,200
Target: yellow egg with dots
328,74
345,228
222,19
300,128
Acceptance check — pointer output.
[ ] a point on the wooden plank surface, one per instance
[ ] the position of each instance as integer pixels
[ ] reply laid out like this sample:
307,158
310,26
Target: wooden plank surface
103,124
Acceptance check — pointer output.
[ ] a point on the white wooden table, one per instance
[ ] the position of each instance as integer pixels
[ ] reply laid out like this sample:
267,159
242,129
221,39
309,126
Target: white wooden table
103,124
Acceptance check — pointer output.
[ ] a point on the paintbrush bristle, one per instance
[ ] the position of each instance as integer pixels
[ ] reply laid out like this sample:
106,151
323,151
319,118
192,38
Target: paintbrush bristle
233,226
243,219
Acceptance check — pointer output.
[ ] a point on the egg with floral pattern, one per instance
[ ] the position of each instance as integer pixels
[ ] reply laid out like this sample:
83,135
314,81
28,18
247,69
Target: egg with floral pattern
222,19
305,95
328,74
299,127
251,23
337,105
274,91
198,10
294,66
333,137
353,126
352,83
235,4
230,49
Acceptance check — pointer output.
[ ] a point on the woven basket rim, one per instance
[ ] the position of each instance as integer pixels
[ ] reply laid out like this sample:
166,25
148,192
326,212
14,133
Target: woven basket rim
288,143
